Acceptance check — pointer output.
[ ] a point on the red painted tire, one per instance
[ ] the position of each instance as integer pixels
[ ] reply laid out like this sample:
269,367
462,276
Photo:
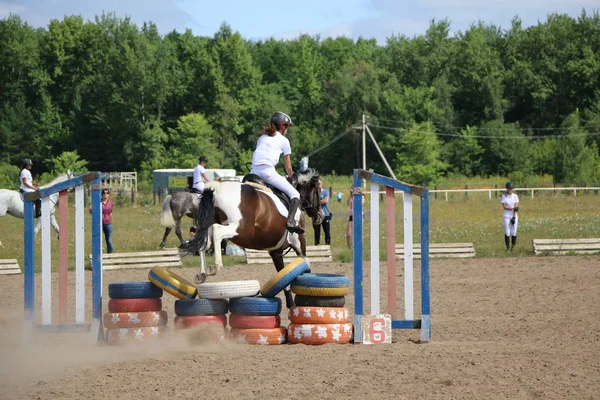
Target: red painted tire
319,333
240,321
183,322
134,305
318,315
135,320
135,335
260,336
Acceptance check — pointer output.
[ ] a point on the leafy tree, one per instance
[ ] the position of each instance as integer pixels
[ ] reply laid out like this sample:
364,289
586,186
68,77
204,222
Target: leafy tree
463,154
417,157
9,176
192,138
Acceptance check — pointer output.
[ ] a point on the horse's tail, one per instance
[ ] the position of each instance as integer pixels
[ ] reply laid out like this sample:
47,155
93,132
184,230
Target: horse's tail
205,218
166,216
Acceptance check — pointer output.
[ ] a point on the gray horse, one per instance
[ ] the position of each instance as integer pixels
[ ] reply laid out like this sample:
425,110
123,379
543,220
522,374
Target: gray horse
173,209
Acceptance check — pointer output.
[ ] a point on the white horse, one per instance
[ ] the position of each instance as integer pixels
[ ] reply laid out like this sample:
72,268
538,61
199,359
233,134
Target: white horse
11,202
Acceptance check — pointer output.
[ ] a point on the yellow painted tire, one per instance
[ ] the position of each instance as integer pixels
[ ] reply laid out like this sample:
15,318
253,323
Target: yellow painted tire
284,277
172,283
320,291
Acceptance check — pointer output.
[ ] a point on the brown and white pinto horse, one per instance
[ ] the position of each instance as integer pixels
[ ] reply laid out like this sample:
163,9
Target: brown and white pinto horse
250,218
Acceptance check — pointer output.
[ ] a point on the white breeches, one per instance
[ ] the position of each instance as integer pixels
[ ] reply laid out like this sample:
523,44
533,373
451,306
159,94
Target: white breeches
270,175
510,230
199,186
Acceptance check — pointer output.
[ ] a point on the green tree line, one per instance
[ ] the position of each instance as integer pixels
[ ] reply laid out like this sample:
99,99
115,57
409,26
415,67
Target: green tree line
113,96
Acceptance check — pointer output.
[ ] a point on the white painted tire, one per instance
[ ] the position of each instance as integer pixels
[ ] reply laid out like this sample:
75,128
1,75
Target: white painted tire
228,289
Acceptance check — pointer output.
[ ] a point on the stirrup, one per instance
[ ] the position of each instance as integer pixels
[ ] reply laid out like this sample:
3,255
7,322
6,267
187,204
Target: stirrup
294,228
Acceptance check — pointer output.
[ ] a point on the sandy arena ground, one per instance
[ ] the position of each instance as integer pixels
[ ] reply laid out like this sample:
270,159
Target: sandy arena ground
515,328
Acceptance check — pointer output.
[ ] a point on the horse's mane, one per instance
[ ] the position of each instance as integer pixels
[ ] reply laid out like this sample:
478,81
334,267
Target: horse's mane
307,176
62,177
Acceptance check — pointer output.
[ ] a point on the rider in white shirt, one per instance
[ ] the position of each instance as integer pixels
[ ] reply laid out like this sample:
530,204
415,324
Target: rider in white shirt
510,204
269,148
200,176
27,185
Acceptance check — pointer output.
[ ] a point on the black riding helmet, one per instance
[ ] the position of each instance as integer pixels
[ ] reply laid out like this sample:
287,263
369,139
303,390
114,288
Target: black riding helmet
203,158
281,118
26,161
510,185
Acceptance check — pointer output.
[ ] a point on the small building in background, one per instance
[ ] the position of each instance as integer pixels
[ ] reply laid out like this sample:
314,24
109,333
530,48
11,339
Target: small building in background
173,180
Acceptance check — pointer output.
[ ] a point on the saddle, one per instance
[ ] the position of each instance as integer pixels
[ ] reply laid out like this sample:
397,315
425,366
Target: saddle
193,190
253,178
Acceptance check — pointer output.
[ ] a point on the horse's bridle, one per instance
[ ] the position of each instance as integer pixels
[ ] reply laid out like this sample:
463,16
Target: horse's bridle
307,206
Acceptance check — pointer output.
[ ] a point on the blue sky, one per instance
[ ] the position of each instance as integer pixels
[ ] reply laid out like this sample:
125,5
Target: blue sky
286,19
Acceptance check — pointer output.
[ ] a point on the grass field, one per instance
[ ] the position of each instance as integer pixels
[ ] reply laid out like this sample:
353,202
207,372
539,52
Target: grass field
474,219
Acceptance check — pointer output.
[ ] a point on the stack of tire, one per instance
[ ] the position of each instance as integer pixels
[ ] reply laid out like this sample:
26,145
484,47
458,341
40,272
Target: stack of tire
256,320
216,295
135,313
191,312
319,315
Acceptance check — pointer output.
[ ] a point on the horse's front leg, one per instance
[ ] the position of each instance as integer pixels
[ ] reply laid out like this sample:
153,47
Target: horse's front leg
178,231
277,257
54,224
298,244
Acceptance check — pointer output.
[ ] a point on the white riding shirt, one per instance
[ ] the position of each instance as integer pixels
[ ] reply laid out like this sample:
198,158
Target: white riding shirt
199,177
26,174
509,200
269,149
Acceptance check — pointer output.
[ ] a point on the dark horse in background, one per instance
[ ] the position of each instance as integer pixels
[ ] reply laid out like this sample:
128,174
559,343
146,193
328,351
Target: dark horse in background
174,208
248,216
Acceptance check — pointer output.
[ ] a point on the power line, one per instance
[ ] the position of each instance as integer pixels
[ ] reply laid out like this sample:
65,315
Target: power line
487,136
335,139
480,129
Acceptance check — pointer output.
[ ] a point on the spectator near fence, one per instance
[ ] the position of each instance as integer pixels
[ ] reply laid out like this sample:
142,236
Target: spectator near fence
326,223
510,217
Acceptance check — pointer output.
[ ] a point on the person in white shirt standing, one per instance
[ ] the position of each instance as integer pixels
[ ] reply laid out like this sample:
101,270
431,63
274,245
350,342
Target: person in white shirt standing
200,176
510,218
27,185
269,147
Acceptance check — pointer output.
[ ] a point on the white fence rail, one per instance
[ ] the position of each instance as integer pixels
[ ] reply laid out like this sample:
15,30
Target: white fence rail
490,191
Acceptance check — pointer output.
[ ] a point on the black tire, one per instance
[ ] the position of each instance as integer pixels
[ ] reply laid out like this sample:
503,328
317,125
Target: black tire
134,290
255,305
322,281
319,301
189,308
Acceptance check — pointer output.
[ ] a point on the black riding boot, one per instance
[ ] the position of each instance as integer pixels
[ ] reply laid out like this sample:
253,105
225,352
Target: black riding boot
38,208
507,242
514,242
291,223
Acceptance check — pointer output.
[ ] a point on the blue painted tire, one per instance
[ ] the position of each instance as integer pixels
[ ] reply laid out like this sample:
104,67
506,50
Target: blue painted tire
134,290
255,305
284,277
322,281
189,308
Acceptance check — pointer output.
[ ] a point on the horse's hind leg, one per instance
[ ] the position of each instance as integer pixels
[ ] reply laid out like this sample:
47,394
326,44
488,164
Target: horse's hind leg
277,257
164,239
220,232
201,276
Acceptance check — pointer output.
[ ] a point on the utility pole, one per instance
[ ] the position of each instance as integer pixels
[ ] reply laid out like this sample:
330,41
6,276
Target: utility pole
364,143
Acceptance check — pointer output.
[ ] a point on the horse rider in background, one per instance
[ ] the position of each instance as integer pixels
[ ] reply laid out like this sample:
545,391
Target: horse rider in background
200,176
27,185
